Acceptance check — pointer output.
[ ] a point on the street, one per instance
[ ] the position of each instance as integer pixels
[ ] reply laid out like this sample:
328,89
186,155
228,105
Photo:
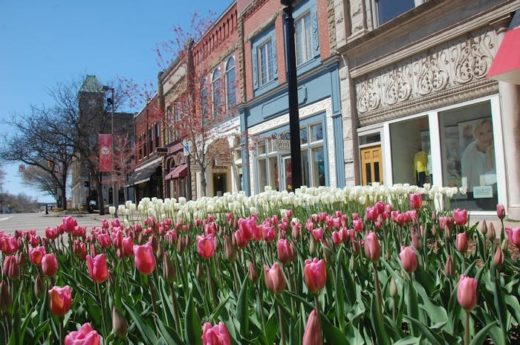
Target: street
9,223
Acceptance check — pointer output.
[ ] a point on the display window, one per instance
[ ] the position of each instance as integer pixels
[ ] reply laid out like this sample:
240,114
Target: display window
273,159
468,155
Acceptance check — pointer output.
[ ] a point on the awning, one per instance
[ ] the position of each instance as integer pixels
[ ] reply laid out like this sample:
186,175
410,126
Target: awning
142,174
506,64
178,172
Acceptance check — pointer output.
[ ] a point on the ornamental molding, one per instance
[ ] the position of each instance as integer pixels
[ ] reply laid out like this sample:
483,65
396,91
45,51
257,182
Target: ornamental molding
447,70
437,100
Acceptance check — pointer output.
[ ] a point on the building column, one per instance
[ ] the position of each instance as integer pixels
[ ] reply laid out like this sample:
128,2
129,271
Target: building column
510,104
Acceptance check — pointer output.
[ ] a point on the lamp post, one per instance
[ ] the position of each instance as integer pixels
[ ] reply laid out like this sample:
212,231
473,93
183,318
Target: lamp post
292,86
112,106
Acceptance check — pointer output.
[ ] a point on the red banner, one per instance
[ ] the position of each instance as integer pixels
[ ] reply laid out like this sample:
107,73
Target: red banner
105,152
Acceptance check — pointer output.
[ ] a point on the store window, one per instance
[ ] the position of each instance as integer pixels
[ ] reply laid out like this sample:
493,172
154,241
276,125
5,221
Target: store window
468,159
274,167
411,154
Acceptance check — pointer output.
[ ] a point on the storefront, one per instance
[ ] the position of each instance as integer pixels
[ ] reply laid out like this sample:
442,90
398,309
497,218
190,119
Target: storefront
176,173
272,157
458,145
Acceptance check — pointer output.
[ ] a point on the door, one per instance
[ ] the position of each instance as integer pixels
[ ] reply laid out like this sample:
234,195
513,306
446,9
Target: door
371,165
287,170
219,184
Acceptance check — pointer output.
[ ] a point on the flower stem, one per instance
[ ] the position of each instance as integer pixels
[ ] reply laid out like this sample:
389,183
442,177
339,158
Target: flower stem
466,329
60,322
280,321
175,310
103,321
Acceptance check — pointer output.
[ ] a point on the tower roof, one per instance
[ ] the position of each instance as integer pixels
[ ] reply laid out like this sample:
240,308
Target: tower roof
91,84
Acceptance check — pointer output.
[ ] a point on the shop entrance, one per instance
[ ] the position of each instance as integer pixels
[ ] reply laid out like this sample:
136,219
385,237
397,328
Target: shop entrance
371,165
219,184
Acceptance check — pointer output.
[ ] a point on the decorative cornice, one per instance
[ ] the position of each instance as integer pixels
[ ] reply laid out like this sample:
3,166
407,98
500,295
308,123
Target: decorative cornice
476,90
434,77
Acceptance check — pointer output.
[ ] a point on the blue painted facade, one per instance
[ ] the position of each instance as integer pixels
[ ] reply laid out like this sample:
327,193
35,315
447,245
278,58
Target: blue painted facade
317,81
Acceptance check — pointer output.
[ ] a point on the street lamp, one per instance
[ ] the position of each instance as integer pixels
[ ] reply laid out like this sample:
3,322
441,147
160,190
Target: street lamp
110,101
292,86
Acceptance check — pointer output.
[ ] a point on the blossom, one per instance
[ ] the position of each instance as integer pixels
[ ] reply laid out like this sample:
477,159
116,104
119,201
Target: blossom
144,258
86,335
408,259
274,278
315,274
49,264
467,292
372,247
215,335
97,268
60,300
206,246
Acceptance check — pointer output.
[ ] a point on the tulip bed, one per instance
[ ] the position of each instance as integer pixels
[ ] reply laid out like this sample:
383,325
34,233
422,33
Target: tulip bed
370,265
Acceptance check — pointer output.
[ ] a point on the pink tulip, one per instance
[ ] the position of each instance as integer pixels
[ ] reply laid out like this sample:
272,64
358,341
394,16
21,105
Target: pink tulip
408,259
513,235
11,267
9,245
69,223
60,300
460,216
128,246
416,201
461,242
97,268
357,224
206,246
315,274
86,335
498,259
51,233
49,264
372,247
285,251
317,234
144,258
501,211
36,255
467,292
215,335
312,334
274,278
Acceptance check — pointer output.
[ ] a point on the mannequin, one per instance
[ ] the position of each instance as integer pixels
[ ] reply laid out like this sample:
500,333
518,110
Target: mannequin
420,165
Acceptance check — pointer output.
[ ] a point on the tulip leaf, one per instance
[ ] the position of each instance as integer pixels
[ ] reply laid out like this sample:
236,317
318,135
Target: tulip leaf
192,325
378,323
146,332
409,341
243,310
332,334
425,331
479,338
514,306
168,335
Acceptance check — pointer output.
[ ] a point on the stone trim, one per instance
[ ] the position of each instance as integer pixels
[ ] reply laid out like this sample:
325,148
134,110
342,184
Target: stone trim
454,71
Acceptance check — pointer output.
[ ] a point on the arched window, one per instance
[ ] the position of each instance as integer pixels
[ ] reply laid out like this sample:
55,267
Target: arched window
230,83
204,99
215,85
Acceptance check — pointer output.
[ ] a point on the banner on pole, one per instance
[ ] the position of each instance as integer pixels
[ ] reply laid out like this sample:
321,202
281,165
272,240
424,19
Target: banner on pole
105,152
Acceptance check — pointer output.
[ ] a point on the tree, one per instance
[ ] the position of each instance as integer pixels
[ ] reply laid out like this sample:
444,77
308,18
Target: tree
41,179
200,108
42,140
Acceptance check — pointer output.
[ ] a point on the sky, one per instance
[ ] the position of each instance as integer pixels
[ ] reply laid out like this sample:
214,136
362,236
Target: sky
47,42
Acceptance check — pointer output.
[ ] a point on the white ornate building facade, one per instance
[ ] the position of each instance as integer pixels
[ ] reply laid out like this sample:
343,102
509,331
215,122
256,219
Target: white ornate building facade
417,105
